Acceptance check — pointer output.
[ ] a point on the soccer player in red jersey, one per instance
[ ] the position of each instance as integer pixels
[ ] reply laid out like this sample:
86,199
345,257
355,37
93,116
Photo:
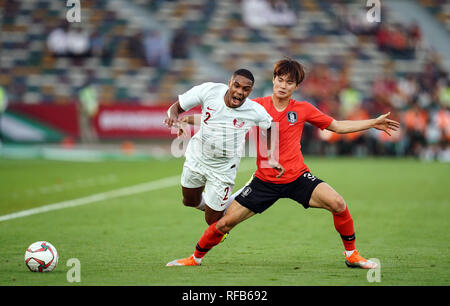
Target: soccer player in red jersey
296,183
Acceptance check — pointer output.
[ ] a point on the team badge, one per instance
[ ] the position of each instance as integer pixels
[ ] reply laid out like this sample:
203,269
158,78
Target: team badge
292,117
238,123
246,191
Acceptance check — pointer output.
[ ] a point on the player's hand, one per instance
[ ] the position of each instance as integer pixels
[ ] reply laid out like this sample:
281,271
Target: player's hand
171,121
382,123
183,127
277,166
180,132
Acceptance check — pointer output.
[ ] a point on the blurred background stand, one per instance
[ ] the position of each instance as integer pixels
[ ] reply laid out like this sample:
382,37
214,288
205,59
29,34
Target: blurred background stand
141,54
3,106
87,109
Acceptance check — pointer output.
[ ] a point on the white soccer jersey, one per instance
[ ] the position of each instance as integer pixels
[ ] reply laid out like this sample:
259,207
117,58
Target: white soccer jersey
220,140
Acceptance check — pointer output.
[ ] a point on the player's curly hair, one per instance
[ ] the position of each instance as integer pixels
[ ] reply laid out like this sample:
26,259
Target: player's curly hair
290,67
245,73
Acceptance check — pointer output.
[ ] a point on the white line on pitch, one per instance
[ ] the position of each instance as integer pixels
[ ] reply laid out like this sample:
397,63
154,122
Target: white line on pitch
126,191
149,186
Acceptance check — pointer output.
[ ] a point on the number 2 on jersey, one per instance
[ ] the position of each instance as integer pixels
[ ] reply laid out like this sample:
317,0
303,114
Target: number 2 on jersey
226,193
208,115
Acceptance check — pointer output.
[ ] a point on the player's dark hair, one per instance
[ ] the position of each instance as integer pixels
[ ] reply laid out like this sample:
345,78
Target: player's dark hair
291,68
245,73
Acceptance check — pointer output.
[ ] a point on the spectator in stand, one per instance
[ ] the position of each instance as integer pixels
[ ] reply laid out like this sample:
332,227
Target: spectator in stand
415,34
396,40
443,122
97,44
408,88
443,92
256,13
382,37
180,44
437,134
415,120
282,14
136,46
321,84
350,108
78,45
57,40
261,13
383,91
350,101
3,107
355,19
157,51
433,71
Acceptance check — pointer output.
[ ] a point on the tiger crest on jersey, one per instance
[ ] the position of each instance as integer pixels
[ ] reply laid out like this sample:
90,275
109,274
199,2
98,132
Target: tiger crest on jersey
292,117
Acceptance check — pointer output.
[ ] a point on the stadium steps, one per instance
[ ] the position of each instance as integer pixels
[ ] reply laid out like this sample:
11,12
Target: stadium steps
435,35
25,46
211,23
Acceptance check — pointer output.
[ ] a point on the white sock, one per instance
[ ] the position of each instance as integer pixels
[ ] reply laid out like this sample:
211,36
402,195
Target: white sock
197,260
202,204
349,253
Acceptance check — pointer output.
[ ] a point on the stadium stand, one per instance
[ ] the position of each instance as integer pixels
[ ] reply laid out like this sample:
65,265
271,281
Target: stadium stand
356,69
440,9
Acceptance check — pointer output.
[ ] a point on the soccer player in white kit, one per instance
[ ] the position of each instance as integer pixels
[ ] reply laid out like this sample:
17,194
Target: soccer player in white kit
214,152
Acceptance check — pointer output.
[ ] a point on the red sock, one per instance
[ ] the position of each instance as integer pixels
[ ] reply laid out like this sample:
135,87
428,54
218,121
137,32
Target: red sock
210,238
343,223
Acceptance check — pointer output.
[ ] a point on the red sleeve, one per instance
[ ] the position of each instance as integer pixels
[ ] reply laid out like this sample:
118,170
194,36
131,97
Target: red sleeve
259,100
316,117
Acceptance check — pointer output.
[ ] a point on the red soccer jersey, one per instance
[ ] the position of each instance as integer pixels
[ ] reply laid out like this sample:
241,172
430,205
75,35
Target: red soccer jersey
290,124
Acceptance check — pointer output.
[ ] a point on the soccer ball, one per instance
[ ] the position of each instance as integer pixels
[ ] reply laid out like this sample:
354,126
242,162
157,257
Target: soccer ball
41,256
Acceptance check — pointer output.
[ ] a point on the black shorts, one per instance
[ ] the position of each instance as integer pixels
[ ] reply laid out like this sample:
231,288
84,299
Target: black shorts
259,195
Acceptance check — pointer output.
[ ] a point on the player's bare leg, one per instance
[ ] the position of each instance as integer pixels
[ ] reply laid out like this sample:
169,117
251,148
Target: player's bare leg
235,214
324,196
212,215
230,200
192,197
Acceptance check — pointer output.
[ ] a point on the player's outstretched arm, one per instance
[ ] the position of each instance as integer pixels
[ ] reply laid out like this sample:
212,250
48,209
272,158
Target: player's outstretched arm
381,123
192,119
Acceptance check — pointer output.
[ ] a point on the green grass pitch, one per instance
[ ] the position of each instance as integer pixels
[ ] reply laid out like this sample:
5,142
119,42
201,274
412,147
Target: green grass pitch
400,207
